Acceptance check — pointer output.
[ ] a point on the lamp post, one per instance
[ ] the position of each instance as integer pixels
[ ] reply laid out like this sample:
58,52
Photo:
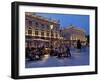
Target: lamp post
51,27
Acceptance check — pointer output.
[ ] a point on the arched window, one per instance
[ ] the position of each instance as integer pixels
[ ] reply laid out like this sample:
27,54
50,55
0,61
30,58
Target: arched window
30,31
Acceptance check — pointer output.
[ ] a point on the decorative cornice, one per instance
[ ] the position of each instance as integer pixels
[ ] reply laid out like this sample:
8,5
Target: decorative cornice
29,14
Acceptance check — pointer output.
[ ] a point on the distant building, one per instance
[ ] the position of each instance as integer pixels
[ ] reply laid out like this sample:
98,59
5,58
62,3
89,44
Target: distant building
40,31
71,34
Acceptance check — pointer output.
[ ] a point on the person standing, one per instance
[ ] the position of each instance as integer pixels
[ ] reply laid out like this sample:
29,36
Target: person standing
68,54
79,45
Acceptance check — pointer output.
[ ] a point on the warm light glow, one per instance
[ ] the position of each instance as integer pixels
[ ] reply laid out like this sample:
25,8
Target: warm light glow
46,57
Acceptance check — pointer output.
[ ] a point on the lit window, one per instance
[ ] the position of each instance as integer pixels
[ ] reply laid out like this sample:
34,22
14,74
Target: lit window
29,31
36,32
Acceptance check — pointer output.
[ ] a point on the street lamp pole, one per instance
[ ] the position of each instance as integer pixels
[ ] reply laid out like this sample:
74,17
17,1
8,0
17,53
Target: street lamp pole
51,27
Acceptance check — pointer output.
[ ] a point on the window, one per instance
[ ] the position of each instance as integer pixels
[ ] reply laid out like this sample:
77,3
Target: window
37,24
42,33
36,32
42,25
47,26
47,33
29,31
30,23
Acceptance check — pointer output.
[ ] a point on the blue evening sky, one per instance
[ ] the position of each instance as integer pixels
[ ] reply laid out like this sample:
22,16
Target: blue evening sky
80,21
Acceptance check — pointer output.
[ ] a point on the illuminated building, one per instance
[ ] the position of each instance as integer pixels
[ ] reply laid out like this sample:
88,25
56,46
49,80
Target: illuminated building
71,34
40,30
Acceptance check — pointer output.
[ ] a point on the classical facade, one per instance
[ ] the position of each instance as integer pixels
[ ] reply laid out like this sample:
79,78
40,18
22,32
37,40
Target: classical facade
71,34
40,31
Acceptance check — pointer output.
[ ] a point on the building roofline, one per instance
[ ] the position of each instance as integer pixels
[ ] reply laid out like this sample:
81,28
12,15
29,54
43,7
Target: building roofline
76,28
42,18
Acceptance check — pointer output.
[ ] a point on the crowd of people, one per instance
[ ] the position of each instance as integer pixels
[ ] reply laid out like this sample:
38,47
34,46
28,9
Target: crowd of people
37,53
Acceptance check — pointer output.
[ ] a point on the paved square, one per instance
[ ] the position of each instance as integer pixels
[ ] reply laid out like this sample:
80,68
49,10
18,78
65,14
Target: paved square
77,59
